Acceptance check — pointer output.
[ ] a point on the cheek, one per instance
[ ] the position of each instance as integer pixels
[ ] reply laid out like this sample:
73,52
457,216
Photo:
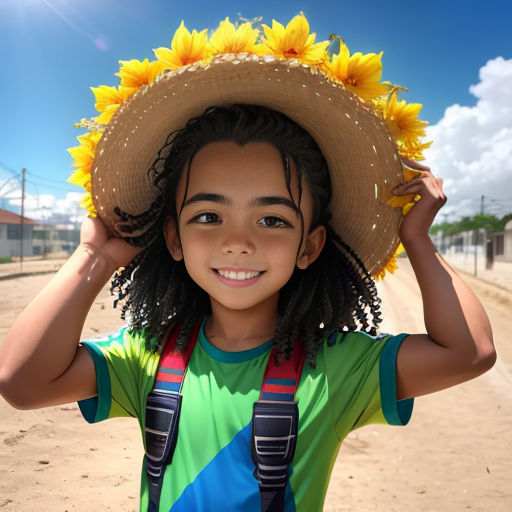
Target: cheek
196,237
198,248
282,250
194,245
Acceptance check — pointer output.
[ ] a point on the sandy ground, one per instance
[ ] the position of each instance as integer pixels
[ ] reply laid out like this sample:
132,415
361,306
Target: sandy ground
455,454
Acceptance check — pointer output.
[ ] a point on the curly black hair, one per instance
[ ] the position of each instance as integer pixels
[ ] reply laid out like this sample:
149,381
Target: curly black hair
335,293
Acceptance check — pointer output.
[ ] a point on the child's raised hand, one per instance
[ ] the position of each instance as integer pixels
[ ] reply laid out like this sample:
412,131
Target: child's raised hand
418,220
94,234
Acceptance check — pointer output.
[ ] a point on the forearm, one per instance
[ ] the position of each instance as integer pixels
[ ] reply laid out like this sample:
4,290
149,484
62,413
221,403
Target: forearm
42,342
454,317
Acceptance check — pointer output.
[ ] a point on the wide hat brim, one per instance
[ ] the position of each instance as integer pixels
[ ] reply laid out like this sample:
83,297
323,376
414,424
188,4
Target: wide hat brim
359,150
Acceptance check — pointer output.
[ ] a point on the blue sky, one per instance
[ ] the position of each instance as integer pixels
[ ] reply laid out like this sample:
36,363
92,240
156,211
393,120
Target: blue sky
54,50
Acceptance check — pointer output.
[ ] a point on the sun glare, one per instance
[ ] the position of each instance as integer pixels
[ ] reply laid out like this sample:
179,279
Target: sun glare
65,10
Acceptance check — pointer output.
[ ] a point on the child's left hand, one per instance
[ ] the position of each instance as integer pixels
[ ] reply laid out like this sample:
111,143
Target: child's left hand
418,220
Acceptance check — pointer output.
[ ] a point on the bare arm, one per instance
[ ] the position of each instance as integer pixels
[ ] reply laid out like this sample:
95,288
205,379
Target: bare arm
459,344
40,361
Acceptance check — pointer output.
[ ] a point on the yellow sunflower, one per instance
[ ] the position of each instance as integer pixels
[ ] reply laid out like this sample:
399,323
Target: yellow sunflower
109,99
413,149
402,119
294,42
406,201
391,265
359,73
229,39
186,48
83,156
107,114
135,73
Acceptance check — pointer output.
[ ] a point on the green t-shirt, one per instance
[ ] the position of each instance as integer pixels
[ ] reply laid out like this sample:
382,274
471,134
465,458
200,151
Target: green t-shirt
353,384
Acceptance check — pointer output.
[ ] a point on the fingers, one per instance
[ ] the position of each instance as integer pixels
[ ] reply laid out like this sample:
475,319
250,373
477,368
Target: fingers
421,172
93,231
425,184
414,165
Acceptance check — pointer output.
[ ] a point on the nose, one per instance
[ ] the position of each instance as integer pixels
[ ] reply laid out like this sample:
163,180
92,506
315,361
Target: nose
237,240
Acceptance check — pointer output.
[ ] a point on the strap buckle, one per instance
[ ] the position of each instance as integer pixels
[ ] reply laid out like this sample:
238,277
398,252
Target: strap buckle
161,430
274,438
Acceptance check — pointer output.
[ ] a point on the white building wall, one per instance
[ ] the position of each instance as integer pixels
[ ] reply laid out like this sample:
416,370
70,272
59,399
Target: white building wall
11,248
507,246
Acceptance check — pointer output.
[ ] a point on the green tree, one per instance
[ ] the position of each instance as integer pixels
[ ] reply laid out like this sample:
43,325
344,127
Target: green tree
489,222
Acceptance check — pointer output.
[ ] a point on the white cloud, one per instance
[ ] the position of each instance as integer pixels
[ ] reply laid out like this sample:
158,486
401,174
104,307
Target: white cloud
46,208
472,149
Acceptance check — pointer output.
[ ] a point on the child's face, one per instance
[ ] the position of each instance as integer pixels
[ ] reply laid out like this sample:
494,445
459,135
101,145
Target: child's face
234,234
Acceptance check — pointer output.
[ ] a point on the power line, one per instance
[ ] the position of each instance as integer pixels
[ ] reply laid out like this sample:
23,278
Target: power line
50,187
7,168
2,185
53,187
18,176
44,177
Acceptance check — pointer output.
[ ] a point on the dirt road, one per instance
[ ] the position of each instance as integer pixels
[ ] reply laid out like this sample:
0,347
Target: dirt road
454,454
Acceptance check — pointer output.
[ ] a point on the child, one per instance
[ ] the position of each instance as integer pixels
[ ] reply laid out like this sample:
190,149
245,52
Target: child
258,226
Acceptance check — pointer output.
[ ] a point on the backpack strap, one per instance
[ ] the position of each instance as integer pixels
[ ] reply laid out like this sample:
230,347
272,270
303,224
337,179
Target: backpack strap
274,429
274,422
163,406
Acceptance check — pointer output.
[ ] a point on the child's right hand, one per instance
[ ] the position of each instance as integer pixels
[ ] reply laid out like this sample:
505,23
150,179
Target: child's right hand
94,235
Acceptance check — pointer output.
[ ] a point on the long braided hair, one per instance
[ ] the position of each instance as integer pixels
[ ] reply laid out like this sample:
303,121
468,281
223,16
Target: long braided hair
334,294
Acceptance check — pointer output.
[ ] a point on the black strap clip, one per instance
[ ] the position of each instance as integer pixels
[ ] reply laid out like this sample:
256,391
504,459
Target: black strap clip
161,430
274,438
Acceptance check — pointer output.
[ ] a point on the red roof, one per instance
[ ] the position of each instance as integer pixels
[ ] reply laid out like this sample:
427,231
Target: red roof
7,217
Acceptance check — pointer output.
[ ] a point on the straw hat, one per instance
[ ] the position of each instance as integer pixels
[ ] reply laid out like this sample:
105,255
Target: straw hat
360,127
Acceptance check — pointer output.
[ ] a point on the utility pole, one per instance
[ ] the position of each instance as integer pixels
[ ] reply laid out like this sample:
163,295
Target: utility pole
23,171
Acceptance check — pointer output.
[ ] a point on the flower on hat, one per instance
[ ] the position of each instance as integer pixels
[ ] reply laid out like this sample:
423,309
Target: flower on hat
83,156
186,48
406,201
230,39
391,265
294,42
402,119
359,73
136,73
109,99
106,96
413,149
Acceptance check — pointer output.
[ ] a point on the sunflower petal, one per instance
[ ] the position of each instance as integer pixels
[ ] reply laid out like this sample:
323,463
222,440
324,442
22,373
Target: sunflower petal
294,41
229,39
186,48
107,114
359,73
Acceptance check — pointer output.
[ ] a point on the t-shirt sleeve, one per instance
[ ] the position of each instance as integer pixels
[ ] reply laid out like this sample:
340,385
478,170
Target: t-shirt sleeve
361,372
124,371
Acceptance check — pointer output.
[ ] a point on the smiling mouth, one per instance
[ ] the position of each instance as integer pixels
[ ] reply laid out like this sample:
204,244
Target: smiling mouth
238,276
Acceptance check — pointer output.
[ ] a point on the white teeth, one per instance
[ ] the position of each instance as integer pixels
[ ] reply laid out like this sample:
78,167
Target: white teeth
239,276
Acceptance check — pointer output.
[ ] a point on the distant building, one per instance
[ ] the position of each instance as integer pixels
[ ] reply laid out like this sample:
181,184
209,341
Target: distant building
465,246
38,239
10,235
500,244
55,239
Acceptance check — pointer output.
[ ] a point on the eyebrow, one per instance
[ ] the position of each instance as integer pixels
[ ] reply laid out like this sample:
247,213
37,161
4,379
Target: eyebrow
255,202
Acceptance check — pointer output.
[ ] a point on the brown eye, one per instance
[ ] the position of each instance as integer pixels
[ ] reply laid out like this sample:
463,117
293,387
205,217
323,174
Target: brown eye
274,222
206,218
